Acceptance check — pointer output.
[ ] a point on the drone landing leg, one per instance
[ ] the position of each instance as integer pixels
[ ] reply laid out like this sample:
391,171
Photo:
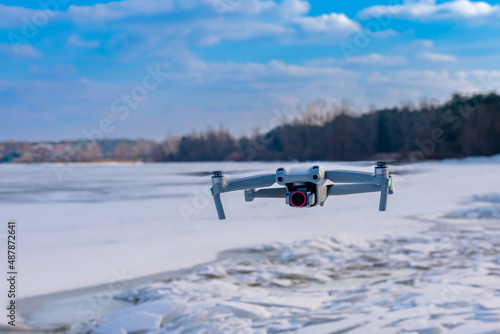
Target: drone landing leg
218,206
384,193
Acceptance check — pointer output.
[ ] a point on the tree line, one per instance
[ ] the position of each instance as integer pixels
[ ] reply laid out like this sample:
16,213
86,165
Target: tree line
463,126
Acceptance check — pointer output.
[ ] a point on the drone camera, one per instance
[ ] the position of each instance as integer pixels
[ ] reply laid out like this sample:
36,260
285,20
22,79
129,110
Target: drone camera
300,198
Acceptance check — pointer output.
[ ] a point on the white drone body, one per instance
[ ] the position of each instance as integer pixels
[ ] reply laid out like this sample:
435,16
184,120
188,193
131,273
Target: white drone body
305,188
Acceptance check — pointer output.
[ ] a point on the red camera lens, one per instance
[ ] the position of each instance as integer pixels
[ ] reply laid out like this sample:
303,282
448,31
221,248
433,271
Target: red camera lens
298,199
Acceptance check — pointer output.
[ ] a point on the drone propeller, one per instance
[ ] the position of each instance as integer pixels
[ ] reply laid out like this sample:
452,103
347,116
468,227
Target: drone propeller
381,163
406,166
217,172
406,172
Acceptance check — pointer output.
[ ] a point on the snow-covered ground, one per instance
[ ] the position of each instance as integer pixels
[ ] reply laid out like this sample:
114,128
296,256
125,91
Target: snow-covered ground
481,211
350,266
432,283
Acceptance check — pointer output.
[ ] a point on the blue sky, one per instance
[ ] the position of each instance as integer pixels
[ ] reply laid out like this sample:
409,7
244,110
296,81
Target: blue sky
152,68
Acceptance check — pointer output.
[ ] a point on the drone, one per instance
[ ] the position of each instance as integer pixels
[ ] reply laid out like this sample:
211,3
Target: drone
303,187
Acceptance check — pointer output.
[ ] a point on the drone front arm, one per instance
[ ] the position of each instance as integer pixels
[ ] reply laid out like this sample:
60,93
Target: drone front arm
252,182
341,176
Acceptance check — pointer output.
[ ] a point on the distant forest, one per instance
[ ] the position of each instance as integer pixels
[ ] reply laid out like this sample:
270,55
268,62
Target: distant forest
464,126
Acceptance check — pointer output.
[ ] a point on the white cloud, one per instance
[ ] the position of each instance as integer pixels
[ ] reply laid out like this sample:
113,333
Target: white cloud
437,57
391,88
386,33
291,8
248,72
11,16
76,40
127,8
229,30
119,9
333,22
332,80
239,6
428,10
237,89
202,22
322,62
55,72
234,89
211,21
375,59
490,80
19,51
424,43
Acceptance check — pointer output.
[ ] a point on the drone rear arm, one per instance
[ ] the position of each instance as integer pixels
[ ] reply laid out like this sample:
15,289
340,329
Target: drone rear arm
265,193
341,176
347,189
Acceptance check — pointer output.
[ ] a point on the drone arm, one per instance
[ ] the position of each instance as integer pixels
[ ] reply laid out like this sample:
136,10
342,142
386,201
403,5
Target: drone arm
341,176
258,181
265,193
347,189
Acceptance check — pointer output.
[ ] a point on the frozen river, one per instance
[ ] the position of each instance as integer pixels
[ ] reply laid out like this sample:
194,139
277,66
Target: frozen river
134,220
